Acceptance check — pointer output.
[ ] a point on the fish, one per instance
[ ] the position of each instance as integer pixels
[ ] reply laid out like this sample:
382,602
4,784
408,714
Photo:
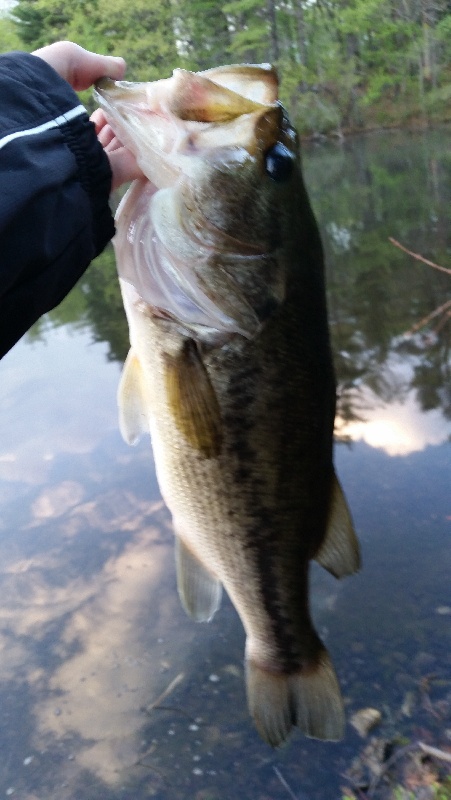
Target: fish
230,370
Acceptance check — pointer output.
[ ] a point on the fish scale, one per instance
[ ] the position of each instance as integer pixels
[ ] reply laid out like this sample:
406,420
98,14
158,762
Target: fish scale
238,394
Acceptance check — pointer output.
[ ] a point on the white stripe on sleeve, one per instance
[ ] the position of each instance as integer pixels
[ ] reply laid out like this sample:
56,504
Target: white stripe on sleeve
52,123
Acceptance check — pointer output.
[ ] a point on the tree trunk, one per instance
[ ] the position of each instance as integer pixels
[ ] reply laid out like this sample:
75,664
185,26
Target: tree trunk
273,38
301,38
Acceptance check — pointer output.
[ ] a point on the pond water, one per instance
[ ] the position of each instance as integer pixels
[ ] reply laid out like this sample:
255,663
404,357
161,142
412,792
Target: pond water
107,690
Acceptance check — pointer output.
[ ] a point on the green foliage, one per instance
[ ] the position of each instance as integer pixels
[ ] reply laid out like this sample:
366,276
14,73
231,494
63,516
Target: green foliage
250,30
95,304
399,793
443,790
443,32
9,39
203,34
141,30
316,113
104,308
40,22
343,65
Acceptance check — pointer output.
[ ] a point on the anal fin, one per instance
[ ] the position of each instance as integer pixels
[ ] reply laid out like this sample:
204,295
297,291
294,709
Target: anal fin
133,415
340,551
200,592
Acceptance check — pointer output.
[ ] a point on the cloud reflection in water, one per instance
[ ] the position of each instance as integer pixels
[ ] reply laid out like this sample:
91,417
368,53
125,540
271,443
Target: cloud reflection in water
392,420
85,560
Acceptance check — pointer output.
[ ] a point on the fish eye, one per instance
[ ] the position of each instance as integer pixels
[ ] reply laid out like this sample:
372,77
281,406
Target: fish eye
279,162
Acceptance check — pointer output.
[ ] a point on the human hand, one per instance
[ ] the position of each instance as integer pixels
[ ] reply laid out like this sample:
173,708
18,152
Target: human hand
80,67
122,161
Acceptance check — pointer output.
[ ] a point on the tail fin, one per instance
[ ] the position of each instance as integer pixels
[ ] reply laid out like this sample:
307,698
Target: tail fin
309,698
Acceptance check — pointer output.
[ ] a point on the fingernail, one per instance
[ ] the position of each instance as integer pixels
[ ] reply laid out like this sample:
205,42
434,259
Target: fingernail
118,66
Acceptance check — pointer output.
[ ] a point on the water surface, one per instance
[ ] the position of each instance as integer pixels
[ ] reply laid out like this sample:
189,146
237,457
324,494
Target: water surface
91,630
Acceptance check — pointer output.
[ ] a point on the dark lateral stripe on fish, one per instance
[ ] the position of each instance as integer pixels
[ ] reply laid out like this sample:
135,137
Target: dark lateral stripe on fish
243,385
241,394
260,538
262,541
242,473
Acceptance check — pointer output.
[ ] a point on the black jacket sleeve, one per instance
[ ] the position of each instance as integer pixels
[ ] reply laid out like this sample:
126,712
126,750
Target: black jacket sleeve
55,181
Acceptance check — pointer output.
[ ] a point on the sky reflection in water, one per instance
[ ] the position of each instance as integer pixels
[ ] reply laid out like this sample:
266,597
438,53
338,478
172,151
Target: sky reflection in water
400,426
91,629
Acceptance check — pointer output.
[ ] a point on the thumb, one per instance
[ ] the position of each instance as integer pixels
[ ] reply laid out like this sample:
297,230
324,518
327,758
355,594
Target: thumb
80,67
91,66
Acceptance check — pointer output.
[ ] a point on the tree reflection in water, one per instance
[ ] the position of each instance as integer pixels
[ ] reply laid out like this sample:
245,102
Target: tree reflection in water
364,192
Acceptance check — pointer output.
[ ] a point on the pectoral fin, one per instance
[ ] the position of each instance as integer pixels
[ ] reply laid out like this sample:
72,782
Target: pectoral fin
192,400
340,552
200,592
133,419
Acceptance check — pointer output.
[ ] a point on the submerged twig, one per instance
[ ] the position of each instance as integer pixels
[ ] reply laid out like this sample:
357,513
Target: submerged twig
178,679
408,748
424,689
435,752
174,710
443,321
418,257
355,788
285,784
140,763
445,307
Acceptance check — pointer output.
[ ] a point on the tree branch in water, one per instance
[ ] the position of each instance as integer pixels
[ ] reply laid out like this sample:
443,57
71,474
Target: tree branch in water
418,257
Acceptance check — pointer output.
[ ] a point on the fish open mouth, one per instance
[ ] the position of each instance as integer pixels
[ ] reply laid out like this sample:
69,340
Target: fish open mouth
166,122
172,125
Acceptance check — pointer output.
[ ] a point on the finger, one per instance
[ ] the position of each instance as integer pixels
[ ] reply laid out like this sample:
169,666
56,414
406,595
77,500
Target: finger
123,166
106,135
89,67
115,144
80,67
99,119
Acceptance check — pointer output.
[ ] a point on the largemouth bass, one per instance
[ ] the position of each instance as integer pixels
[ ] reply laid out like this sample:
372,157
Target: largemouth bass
230,370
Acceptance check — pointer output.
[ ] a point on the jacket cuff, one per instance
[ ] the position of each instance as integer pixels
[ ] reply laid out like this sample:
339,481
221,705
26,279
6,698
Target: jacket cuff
50,97
95,176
